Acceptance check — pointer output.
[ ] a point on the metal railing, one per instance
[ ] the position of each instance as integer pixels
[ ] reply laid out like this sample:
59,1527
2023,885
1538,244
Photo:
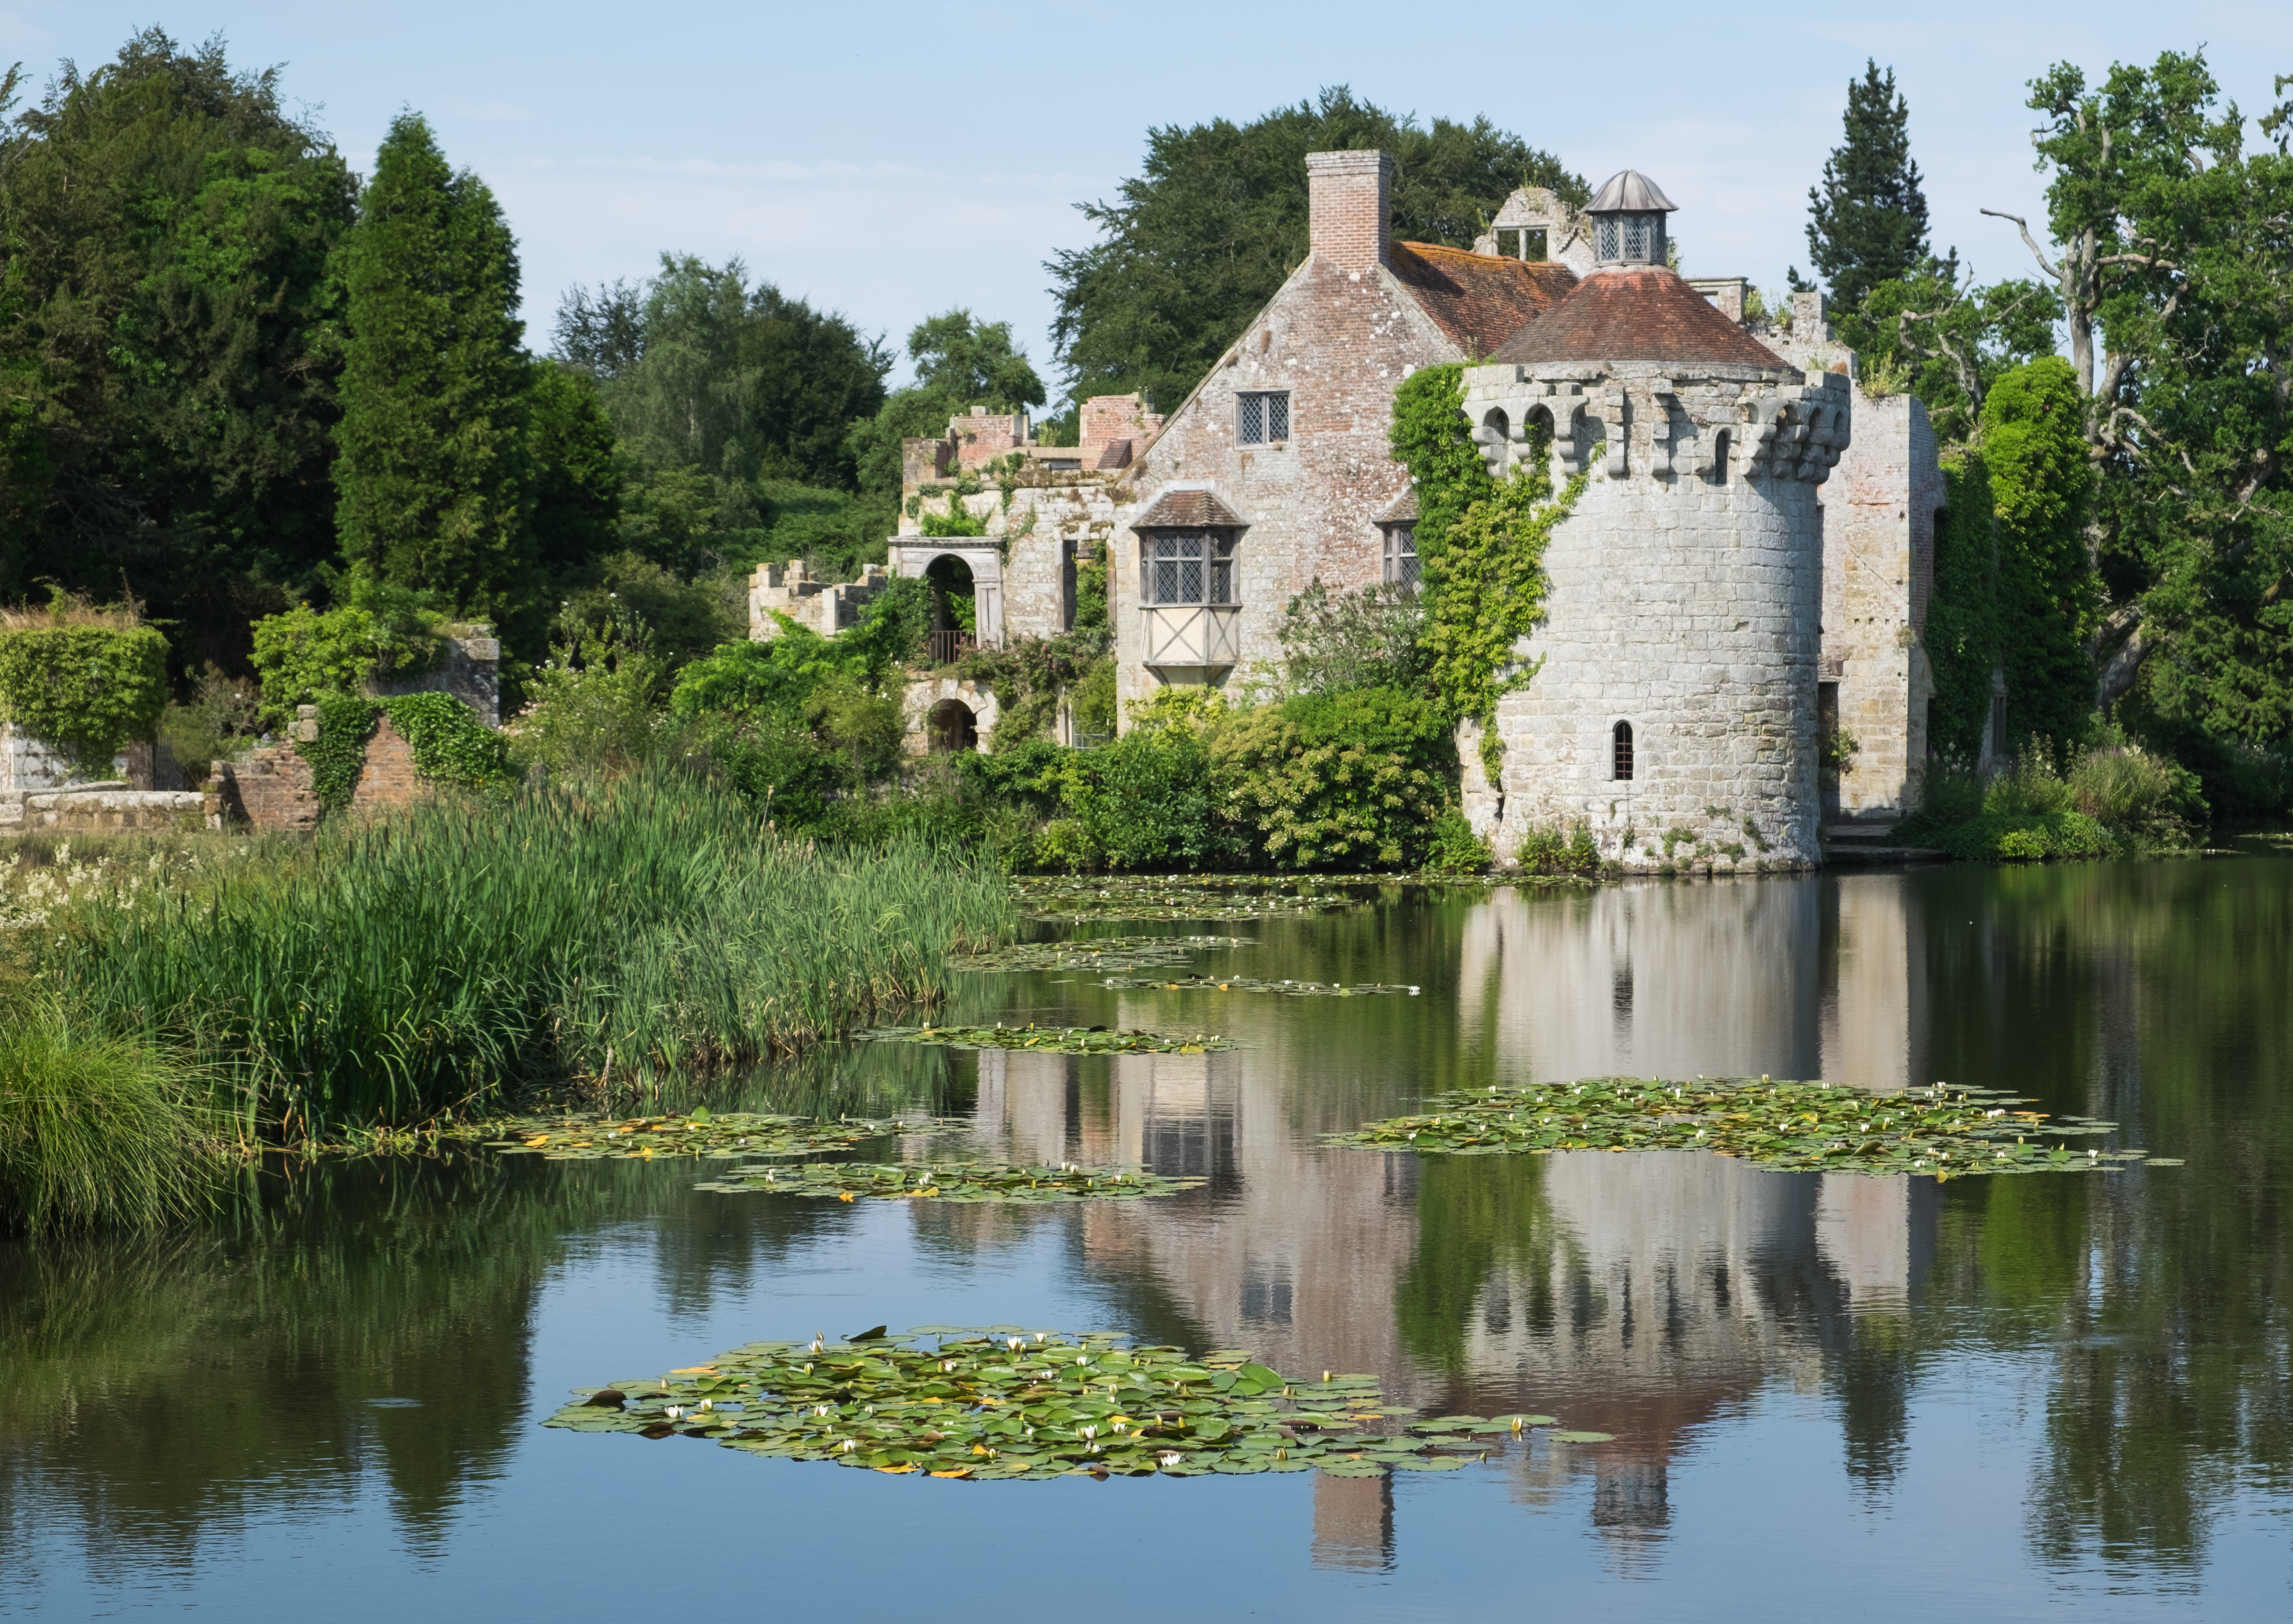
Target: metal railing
948,647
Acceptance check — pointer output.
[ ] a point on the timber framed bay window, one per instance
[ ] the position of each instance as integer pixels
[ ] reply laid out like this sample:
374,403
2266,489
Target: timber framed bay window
1189,590
1261,416
1189,567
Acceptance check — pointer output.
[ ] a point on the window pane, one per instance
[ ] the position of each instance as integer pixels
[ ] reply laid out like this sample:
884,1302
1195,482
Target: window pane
1277,417
1608,235
1222,580
1166,585
1253,420
1190,582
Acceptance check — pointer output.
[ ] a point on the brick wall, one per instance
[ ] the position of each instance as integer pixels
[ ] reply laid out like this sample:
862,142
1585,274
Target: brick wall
271,789
1347,198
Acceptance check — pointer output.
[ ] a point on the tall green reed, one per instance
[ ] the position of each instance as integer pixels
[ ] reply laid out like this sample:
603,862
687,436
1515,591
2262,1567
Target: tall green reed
95,1128
413,966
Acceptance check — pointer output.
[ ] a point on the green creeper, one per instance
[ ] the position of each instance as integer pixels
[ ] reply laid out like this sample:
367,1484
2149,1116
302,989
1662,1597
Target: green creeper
2042,487
435,475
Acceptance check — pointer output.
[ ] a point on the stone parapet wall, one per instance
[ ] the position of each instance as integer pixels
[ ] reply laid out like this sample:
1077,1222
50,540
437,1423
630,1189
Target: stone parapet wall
86,810
28,764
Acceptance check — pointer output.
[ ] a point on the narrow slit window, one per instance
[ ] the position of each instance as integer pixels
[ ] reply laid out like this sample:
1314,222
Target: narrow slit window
1621,752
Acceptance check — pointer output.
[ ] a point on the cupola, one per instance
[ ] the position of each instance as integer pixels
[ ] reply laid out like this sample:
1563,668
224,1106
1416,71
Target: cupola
1628,221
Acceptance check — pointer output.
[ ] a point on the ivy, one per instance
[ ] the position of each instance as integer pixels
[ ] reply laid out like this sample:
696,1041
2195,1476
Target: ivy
1482,541
450,744
345,723
85,688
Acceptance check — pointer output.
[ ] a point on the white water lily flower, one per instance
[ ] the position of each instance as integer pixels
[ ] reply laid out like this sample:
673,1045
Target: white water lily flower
1170,1457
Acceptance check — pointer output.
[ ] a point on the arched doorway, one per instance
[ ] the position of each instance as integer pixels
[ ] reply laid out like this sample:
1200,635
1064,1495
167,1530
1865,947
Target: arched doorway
955,613
952,727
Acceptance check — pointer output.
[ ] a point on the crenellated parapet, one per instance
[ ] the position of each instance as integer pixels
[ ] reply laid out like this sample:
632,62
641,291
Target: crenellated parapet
1714,423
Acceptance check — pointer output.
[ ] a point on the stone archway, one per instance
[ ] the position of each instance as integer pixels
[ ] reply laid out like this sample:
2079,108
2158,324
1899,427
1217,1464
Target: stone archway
933,559
934,727
949,726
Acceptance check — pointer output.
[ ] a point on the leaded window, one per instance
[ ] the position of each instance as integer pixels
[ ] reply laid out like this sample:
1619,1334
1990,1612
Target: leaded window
1190,567
1262,416
1620,752
1401,557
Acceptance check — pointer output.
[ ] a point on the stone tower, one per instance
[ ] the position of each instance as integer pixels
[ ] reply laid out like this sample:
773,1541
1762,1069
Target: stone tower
1674,711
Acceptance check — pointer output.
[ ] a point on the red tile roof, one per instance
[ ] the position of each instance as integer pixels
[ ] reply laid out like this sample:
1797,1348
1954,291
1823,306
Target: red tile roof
1187,509
1643,313
1478,299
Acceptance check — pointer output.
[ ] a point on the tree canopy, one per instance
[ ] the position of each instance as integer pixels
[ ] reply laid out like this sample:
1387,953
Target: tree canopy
961,363
1867,220
170,339
1208,231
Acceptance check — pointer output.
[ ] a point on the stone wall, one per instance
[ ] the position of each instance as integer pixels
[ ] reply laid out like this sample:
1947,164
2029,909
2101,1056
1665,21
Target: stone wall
28,764
94,810
470,670
1683,602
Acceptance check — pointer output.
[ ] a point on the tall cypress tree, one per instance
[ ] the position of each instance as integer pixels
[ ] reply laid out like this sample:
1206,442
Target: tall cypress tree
1868,219
435,473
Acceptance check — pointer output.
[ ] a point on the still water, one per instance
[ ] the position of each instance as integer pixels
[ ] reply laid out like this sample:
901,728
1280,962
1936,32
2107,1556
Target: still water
2033,1397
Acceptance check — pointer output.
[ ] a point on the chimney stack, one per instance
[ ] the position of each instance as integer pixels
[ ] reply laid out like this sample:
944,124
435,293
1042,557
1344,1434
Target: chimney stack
1347,197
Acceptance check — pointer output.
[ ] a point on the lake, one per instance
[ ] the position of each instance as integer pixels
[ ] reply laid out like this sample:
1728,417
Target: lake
2039,1397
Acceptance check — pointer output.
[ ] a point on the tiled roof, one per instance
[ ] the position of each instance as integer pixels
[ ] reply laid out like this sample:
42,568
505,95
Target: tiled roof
1478,300
1115,454
1187,509
1639,313
1401,509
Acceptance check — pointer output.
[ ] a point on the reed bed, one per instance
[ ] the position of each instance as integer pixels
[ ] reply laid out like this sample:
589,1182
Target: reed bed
96,1127
414,966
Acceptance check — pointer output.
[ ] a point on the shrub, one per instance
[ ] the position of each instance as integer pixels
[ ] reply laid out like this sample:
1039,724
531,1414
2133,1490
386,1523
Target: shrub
376,633
2033,789
2147,798
1143,801
86,681
1451,847
1332,641
95,1128
1547,851
1346,781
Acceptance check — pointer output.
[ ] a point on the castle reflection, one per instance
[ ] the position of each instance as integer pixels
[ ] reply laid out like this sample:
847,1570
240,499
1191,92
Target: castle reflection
1641,1294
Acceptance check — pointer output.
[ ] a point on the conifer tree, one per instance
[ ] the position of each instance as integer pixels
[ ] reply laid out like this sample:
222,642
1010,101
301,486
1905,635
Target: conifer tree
433,473
1868,219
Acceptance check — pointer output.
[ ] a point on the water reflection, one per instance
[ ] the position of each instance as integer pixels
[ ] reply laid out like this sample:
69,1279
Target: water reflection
151,1394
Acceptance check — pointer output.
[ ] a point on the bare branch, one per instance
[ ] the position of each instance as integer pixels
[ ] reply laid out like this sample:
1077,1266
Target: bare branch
2028,240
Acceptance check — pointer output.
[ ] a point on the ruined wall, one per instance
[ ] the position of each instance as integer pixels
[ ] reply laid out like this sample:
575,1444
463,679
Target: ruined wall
1341,341
269,789
66,811
471,671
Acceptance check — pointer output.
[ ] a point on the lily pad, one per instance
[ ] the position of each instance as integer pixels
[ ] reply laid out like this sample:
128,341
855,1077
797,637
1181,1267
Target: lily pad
1582,1437
1192,897
1051,1039
981,1406
1940,1132
947,1181
588,1136
1242,983
1096,953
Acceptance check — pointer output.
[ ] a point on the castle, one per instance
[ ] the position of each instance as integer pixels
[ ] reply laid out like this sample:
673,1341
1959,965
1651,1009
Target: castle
1742,582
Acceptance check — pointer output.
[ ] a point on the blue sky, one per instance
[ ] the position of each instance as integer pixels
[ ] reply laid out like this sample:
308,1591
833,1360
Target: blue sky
894,160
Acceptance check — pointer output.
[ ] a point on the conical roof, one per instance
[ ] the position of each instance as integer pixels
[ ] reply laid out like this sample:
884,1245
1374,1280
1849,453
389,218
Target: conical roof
1636,313
1630,192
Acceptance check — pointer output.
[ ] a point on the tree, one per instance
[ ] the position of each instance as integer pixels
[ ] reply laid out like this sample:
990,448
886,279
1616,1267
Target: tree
576,477
436,475
701,371
961,363
2042,489
169,340
2172,260
1209,231
1948,341
1868,221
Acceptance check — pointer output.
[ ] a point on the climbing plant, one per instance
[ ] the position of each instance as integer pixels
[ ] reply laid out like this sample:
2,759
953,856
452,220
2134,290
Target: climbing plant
86,689
1482,543
450,744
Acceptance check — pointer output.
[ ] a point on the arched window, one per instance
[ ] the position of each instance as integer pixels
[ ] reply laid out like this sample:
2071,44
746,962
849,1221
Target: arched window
1496,428
1720,457
1621,752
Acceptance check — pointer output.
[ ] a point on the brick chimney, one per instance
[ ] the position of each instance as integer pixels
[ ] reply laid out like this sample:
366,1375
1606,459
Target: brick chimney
1346,196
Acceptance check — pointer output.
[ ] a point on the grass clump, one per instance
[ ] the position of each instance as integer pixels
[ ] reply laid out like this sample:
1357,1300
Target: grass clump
397,970
2115,799
95,1128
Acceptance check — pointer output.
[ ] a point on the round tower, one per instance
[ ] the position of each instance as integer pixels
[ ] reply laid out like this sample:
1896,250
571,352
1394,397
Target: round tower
1673,710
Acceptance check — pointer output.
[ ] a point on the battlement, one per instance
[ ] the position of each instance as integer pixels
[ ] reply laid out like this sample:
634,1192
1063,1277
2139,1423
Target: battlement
824,607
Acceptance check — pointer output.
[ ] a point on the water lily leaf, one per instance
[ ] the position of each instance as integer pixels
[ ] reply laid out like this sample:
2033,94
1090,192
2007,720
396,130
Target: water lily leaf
1940,1132
1049,1039
949,1182
1098,953
1584,1437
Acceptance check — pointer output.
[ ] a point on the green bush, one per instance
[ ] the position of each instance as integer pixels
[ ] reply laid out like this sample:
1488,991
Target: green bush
1145,802
1997,836
86,689
1548,851
376,633
95,1128
1354,779
2146,798
1451,847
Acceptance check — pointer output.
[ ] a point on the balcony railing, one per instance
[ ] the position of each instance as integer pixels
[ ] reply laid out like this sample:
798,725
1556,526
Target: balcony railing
1198,635
948,647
